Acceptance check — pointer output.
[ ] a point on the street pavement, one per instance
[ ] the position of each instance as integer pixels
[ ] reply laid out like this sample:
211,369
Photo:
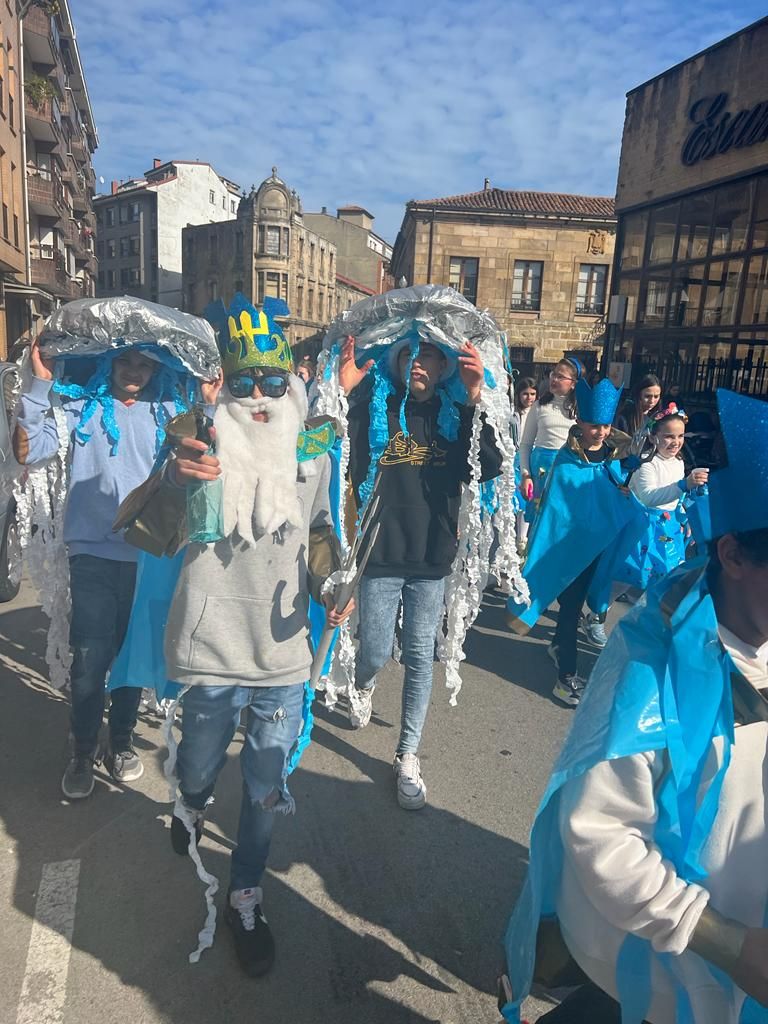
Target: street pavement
380,915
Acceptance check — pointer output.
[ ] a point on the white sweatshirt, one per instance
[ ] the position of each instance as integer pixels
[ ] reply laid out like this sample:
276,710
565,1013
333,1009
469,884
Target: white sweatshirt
546,426
659,482
615,880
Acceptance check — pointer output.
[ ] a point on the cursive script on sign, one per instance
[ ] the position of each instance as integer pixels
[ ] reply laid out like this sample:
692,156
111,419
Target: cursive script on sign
716,130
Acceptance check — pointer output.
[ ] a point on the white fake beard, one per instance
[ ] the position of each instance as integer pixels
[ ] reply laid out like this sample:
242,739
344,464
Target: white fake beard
258,461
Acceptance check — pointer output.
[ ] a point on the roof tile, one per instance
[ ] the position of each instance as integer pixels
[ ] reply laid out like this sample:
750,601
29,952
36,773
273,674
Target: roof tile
512,201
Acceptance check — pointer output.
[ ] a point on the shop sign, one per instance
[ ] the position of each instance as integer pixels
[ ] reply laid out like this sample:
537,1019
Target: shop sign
717,130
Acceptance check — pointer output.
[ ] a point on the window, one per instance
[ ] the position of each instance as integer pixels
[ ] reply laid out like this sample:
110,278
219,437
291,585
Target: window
101,279
661,232
211,196
755,309
233,206
311,257
223,202
125,246
286,242
463,276
111,248
320,299
110,216
5,222
301,250
135,245
300,299
16,231
111,278
322,266
124,276
273,242
134,211
284,287
590,295
134,276
124,214
731,218
526,285
272,285
695,221
311,303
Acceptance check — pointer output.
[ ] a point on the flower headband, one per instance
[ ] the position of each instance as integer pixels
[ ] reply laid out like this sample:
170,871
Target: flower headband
671,410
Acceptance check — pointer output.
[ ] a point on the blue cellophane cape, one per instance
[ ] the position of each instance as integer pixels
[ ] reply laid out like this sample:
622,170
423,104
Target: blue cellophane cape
141,660
582,513
662,683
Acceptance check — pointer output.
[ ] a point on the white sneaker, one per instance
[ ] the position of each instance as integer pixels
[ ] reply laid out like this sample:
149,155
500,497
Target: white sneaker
594,630
360,707
569,689
411,789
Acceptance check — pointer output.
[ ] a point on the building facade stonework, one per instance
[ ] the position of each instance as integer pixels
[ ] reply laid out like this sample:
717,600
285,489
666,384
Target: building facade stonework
12,222
361,254
268,250
539,262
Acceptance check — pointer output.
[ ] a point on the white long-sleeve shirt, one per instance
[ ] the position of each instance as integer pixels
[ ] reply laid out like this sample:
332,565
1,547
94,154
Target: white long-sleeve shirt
659,482
616,881
546,426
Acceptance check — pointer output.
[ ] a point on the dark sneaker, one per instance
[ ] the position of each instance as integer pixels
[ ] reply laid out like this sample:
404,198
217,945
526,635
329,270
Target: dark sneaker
569,689
254,944
77,781
594,630
124,764
180,833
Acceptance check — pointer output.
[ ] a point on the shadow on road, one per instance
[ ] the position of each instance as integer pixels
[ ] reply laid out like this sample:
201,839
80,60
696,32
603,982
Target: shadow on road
377,913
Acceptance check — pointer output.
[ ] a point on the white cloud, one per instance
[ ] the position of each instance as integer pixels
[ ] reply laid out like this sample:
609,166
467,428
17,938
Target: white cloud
409,101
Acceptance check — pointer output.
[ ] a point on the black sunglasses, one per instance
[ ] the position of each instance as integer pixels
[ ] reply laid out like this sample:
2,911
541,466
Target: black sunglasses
271,385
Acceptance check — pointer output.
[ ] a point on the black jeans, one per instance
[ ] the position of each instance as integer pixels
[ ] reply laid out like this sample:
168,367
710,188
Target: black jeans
102,595
571,603
587,1004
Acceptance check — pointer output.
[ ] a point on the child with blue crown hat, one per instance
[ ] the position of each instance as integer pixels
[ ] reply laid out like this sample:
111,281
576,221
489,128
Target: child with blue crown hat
113,425
647,885
584,508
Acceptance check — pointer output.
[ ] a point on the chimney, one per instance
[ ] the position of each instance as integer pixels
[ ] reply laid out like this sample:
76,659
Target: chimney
156,162
324,210
486,185
115,187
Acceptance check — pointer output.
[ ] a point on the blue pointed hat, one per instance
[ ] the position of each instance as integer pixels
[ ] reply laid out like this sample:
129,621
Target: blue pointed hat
597,404
738,493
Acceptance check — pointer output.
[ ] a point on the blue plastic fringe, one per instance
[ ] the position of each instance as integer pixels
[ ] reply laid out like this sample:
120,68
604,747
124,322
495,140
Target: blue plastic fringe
378,431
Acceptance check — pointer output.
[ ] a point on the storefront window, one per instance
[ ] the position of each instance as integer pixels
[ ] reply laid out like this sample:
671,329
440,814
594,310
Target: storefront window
722,292
755,309
661,230
695,223
633,244
731,218
631,288
760,235
685,296
654,301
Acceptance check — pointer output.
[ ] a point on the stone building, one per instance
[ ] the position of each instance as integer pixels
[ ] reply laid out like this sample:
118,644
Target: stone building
267,250
13,260
691,265
47,177
538,261
361,254
141,221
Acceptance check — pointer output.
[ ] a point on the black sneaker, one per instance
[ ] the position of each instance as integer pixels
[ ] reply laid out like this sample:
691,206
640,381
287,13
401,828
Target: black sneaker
180,835
77,781
254,944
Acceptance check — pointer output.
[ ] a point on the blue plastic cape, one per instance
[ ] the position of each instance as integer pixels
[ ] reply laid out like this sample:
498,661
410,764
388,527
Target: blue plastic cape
582,512
141,660
662,683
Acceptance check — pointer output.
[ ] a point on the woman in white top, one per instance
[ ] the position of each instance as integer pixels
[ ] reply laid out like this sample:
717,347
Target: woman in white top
662,486
525,395
546,431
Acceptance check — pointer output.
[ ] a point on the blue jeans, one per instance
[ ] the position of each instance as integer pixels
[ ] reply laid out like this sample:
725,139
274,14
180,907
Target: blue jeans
102,595
210,716
379,600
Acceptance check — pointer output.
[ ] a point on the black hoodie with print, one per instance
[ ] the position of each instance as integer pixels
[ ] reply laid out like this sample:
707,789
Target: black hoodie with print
421,477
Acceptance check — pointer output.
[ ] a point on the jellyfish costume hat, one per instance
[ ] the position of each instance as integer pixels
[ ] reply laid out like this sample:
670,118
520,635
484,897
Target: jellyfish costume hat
382,326
83,338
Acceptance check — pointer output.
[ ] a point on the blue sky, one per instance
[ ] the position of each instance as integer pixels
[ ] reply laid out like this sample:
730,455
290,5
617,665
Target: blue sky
376,104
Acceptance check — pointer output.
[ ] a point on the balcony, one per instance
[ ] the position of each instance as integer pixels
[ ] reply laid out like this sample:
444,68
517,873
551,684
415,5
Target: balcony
590,308
45,192
40,37
43,120
78,150
48,273
525,305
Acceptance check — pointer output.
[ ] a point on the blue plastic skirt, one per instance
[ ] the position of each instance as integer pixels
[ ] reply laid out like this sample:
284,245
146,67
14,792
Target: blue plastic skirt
541,463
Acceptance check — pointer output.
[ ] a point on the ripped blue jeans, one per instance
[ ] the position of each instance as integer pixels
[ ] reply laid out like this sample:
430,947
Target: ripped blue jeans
210,717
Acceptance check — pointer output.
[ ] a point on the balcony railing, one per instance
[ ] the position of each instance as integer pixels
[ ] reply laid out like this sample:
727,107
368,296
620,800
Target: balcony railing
593,308
48,272
526,305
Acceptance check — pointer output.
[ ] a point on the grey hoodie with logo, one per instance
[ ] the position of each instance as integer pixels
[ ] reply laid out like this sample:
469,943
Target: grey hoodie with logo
239,615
